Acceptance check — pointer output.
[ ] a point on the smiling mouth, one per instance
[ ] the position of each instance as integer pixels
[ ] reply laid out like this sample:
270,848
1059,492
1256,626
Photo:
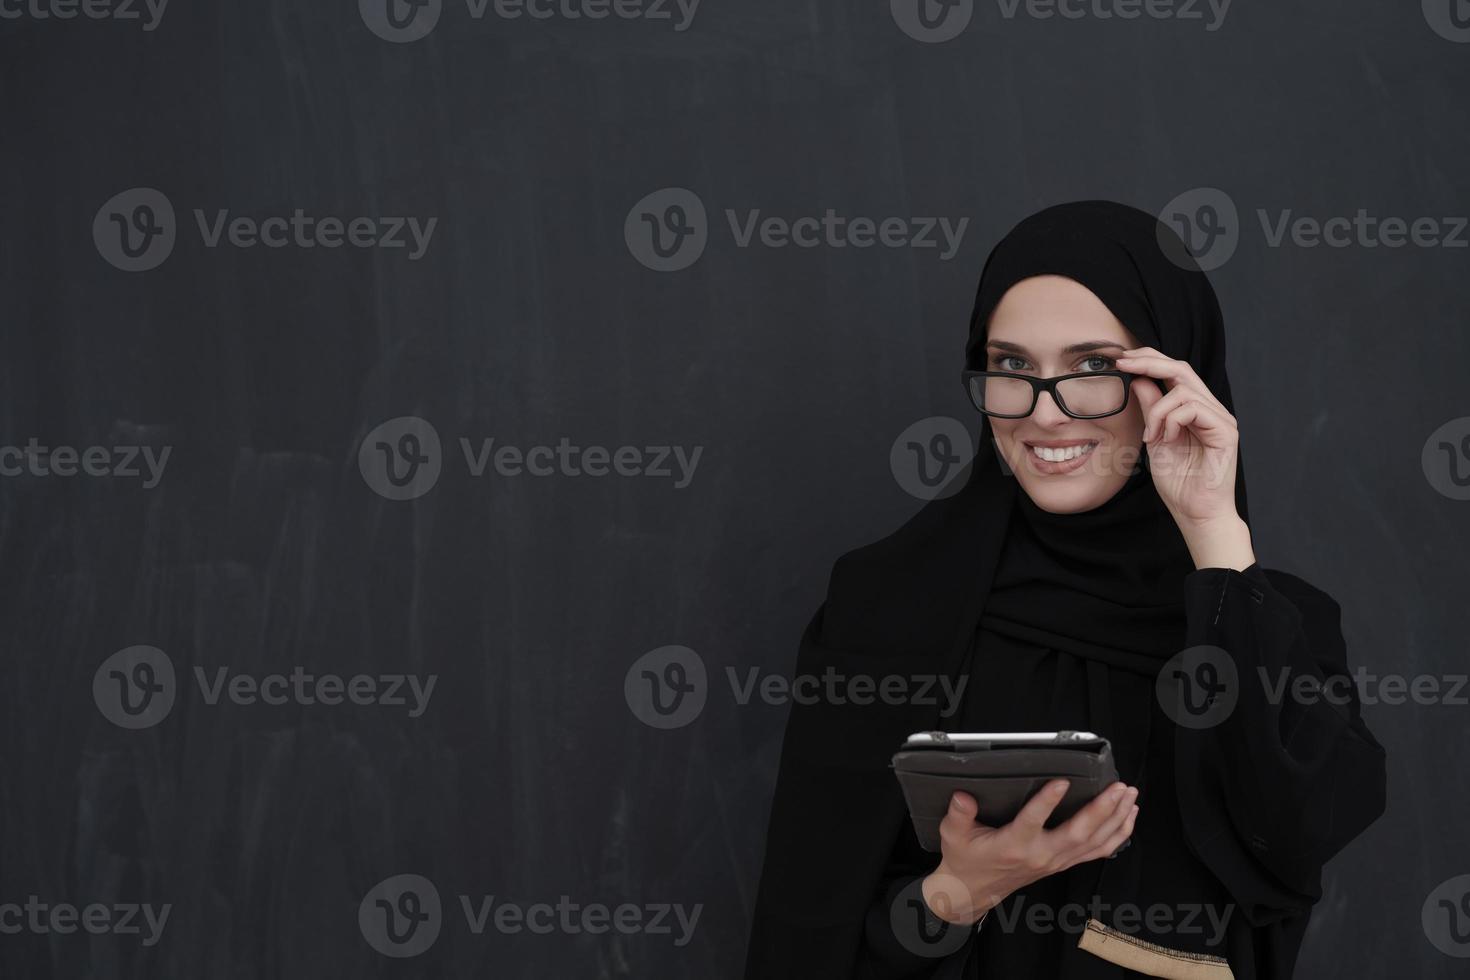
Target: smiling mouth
1061,454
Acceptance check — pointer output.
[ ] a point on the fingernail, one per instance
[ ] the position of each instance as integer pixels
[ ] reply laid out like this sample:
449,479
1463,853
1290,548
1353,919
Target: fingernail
1058,789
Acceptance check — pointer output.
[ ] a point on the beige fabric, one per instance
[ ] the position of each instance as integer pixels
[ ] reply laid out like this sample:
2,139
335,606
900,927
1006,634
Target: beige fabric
1104,941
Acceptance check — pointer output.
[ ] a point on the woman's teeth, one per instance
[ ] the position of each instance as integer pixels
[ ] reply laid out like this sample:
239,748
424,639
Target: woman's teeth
1063,454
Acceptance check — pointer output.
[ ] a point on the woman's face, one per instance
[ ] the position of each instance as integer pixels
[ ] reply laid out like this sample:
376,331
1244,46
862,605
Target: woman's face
1046,326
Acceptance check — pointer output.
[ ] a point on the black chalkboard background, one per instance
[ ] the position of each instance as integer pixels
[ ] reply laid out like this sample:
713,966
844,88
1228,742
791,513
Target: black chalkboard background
537,315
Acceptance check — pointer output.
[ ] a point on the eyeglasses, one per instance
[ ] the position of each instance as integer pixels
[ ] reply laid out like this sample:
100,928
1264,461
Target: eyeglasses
1088,395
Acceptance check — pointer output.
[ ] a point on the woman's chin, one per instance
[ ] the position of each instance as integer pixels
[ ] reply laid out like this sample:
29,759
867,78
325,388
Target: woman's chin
1068,494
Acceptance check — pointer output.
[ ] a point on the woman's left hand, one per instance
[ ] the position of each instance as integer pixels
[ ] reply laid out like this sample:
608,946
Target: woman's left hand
1192,440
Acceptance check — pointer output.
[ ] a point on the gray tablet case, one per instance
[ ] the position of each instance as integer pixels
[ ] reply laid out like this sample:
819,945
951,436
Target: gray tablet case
1001,775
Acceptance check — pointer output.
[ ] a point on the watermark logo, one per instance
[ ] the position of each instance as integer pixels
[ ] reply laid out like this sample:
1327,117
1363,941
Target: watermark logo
1199,227
40,918
148,12
667,230
1446,459
1450,19
121,462
919,930
401,459
1209,228
929,457
936,21
135,687
932,21
666,688
400,21
1198,687
1446,917
135,230
669,687
1211,13
401,916
1364,687
1211,922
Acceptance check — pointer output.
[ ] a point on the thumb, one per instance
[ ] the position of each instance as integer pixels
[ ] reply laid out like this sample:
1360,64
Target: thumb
963,804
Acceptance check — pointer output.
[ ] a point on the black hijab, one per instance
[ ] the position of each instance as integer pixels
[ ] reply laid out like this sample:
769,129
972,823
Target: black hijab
1120,567
908,605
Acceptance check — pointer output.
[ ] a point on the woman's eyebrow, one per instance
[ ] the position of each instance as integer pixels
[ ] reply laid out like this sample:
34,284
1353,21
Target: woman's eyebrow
1082,348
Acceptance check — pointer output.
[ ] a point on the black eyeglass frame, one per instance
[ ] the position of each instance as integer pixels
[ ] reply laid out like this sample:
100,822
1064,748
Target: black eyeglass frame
1038,385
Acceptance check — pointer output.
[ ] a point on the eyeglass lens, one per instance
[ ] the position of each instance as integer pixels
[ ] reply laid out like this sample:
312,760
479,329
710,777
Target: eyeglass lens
1079,396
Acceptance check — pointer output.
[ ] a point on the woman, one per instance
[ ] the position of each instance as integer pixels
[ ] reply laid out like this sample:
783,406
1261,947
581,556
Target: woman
1095,570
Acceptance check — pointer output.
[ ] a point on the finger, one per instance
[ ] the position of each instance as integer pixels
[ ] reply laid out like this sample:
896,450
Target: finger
1148,395
1034,814
1162,406
958,826
1199,419
1177,373
1084,840
1115,820
1116,840
1077,831
1108,828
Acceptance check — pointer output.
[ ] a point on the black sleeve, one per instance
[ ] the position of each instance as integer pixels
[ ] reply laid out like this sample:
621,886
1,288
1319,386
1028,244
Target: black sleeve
1291,774
884,954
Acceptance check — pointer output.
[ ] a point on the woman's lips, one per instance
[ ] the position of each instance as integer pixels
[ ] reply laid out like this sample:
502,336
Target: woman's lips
1053,457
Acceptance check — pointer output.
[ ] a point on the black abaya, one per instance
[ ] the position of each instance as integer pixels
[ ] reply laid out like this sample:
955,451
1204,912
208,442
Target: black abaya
1243,813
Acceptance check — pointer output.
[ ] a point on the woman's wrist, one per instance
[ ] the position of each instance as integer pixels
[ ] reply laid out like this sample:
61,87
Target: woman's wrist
1223,542
950,900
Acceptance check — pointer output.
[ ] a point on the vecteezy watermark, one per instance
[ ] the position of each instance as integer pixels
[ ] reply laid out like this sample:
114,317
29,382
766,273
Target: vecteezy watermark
1445,917
1446,459
925,933
667,230
403,915
1159,918
668,688
918,929
149,13
1209,13
136,230
136,688
1198,687
1207,222
936,21
97,919
1366,687
928,457
121,462
1448,18
402,21
402,459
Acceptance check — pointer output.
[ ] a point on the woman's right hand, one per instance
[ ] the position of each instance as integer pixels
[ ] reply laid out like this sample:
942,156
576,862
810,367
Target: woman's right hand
981,864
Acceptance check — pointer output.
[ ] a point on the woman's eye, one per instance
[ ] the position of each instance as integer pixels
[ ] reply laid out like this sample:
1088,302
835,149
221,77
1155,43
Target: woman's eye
1098,363
1003,362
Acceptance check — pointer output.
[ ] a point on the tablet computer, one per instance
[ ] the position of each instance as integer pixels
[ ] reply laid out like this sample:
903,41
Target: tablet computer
1001,770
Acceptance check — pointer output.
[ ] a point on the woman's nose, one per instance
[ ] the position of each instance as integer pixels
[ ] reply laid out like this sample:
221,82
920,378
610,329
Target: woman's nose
1047,412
